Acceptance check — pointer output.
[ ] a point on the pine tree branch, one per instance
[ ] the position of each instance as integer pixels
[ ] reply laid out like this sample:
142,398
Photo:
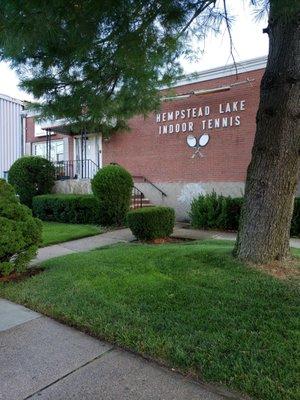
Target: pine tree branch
203,6
230,35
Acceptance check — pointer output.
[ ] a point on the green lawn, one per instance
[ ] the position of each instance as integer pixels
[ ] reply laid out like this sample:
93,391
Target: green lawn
54,232
191,306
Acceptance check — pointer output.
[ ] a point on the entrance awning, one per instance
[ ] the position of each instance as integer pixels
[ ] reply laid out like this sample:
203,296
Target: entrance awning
63,127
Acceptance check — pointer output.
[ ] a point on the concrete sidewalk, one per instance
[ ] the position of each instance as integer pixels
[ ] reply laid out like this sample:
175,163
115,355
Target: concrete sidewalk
183,230
43,359
85,244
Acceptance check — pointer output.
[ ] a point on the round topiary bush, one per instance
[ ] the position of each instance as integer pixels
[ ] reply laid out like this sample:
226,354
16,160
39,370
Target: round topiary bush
20,233
31,176
112,186
151,222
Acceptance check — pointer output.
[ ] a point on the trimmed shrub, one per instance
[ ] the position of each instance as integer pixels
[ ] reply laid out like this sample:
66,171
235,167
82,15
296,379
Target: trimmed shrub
69,208
20,233
112,185
295,225
31,176
212,211
230,213
219,212
151,222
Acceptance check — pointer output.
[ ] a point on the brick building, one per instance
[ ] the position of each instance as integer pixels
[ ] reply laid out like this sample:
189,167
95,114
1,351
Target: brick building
200,140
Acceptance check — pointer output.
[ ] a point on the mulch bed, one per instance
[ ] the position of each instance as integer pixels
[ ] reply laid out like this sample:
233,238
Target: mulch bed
168,240
16,277
281,270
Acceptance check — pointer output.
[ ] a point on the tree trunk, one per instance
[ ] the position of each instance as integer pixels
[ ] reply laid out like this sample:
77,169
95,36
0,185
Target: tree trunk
273,173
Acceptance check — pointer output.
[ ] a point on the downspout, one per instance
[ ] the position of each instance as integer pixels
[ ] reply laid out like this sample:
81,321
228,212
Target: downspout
23,130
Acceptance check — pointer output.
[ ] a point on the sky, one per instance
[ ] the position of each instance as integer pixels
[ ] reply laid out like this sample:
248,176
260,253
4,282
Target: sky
248,39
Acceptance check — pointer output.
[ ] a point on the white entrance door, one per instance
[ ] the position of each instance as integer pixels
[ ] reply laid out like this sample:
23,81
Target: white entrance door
90,160
98,139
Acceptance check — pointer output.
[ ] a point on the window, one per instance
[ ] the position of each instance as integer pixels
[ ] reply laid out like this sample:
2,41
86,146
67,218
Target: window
39,127
39,149
38,131
57,150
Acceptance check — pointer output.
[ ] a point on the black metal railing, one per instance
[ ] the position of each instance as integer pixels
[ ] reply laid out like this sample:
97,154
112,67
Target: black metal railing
137,198
144,179
75,169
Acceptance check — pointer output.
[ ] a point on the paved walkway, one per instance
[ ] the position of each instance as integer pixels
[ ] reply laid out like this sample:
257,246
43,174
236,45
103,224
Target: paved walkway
182,230
124,235
43,359
88,243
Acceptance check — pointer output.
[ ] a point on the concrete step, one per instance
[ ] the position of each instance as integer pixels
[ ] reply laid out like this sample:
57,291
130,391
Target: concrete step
145,201
136,204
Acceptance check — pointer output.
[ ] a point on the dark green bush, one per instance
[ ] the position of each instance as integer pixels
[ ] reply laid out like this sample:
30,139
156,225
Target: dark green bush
112,185
31,176
212,211
151,222
295,226
230,213
69,208
20,233
219,212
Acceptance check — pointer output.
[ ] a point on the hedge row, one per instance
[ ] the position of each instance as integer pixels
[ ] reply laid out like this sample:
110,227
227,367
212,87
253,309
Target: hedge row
212,211
207,212
69,208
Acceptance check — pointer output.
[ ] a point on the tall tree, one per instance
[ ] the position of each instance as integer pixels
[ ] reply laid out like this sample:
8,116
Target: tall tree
99,63
273,172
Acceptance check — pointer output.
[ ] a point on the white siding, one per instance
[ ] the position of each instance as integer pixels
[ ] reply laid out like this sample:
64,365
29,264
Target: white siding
11,132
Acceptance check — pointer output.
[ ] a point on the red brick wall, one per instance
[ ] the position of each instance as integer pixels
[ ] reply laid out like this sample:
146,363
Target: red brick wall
30,130
167,158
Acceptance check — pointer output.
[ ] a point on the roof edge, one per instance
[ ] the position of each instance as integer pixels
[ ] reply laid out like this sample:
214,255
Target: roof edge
220,72
11,99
